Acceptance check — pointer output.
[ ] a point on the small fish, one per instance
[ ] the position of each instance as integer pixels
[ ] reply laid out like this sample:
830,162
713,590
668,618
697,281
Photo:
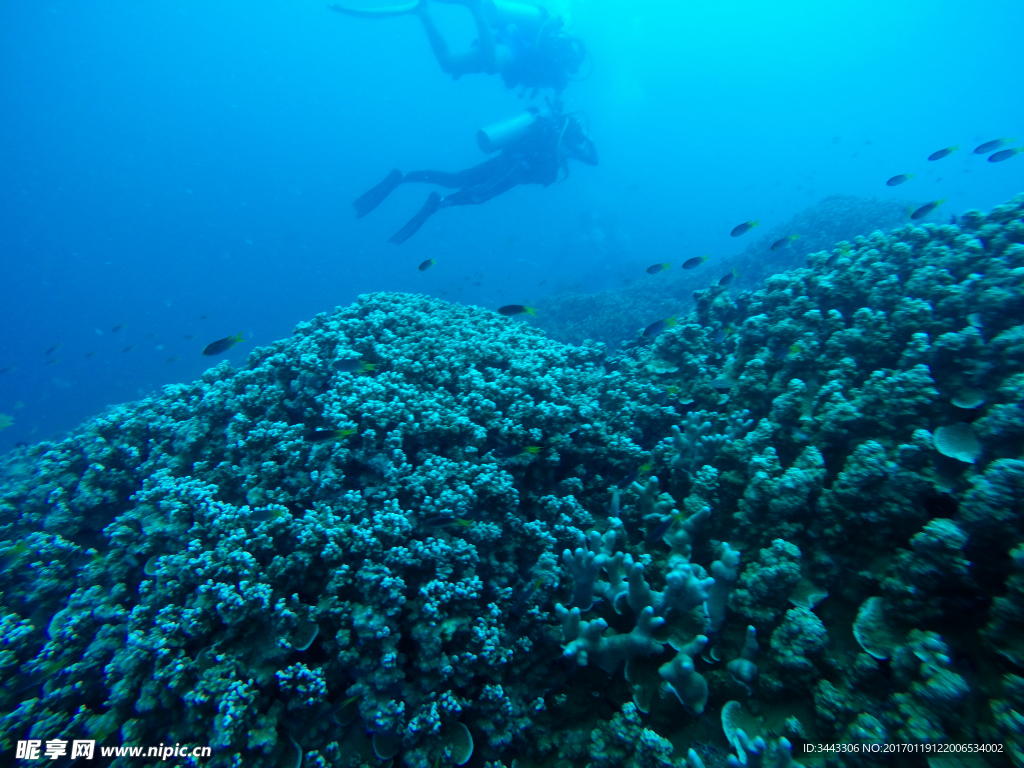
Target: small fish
325,435
129,348
508,451
927,208
656,268
54,348
952,218
8,369
1004,154
89,354
784,241
442,521
52,361
654,329
903,178
12,555
222,345
172,359
721,384
628,480
696,261
640,471
264,515
663,527
939,154
424,266
784,352
533,449
119,327
189,336
726,279
510,310
354,365
975,319
520,600
991,146
722,334
742,229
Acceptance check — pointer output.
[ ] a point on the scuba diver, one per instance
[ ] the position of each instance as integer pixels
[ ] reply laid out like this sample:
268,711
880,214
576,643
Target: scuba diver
534,147
523,43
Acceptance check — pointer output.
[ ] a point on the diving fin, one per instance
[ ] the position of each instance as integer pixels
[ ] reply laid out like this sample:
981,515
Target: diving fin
429,209
375,196
388,10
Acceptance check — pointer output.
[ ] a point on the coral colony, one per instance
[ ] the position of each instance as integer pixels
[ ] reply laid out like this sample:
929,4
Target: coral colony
426,535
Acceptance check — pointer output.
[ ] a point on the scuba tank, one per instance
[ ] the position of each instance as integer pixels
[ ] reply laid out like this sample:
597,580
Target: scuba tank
499,135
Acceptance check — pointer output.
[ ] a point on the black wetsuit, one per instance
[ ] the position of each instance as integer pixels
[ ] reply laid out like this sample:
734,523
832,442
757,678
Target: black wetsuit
543,60
533,159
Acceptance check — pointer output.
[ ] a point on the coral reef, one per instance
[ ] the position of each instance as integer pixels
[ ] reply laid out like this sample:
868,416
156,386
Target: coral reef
488,546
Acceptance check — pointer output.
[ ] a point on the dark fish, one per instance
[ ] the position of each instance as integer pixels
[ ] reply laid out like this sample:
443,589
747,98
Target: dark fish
53,349
696,261
52,361
129,348
1005,154
784,241
189,336
785,352
510,310
654,329
325,435
991,146
173,359
8,369
742,229
522,595
628,479
440,521
726,279
903,178
952,218
222,345
632,476
89,354
119,327
507,451
662,528
938,155
656,268
263,514
427,265
353,365
927,208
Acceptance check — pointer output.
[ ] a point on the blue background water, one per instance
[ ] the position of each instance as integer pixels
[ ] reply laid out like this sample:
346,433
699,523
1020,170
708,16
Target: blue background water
186,168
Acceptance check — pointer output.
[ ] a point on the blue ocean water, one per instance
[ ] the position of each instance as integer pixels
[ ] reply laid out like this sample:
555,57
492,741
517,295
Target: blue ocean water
183,171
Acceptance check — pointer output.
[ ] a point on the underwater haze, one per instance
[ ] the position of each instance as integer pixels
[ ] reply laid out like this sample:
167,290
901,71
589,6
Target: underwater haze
482,383
186,169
